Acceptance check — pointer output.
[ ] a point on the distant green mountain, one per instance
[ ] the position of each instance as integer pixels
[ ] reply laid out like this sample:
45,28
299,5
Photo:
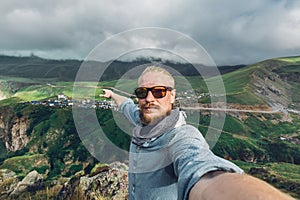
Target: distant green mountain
65,70
38,68
271,82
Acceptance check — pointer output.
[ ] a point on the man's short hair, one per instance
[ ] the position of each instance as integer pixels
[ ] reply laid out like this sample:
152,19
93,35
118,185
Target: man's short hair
158,69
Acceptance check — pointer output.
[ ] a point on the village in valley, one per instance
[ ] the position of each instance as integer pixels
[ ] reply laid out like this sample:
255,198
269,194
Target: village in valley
63,101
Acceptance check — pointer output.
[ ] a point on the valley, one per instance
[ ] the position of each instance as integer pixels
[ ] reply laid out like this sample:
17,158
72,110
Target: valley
39,140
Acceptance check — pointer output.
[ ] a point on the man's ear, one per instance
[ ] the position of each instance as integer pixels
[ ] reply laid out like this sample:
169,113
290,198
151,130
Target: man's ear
173,95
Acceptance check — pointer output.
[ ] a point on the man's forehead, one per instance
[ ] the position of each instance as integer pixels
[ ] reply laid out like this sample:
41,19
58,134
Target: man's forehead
154,78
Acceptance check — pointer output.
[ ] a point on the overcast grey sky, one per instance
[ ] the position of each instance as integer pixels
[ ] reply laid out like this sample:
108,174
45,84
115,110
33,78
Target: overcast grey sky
231,31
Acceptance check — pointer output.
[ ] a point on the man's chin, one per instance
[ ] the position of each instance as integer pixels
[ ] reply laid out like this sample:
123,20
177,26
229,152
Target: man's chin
150,118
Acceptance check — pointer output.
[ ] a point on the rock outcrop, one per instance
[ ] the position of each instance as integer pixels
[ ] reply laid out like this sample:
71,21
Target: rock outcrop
19,138
106,181
13,131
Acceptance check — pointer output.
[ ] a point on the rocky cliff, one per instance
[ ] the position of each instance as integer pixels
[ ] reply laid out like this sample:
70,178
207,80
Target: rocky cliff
41,156
13,131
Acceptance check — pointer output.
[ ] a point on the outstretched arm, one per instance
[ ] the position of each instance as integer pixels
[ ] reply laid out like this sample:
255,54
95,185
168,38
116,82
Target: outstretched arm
110,94
234,186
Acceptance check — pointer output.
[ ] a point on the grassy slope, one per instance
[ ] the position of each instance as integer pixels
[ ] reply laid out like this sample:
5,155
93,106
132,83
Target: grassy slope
26,163
240,83
284,176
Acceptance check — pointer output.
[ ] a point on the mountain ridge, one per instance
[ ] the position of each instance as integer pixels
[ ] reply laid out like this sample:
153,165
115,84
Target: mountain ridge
36,67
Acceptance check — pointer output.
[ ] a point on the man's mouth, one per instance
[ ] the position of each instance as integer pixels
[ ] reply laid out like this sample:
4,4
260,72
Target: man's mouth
149,108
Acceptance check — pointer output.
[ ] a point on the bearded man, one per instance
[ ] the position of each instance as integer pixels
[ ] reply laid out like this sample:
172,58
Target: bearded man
170,159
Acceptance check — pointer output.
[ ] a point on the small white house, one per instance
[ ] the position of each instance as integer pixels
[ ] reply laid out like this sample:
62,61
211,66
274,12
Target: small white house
61,96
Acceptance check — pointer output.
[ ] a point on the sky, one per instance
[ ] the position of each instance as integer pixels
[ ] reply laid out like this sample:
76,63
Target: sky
232,31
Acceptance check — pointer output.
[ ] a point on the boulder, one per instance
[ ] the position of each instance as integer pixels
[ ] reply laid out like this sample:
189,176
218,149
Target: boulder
105,181
32,181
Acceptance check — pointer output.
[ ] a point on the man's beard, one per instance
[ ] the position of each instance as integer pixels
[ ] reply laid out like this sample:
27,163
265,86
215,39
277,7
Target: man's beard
151,120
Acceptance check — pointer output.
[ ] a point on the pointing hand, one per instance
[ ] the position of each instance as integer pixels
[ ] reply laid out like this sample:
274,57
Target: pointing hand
107,93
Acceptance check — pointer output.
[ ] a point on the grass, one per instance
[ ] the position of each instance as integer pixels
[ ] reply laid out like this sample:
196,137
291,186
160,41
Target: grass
285,170
244,98
40,92
290,59
186,83
235,126
284,176
237,86
237,148
10,101
269,125
236,81
24,164
80,90
288,69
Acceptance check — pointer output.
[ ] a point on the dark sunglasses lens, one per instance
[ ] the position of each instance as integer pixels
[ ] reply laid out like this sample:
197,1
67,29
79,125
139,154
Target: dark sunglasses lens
159,92
141,93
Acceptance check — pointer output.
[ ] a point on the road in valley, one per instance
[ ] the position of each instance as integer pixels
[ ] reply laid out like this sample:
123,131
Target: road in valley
231,110
276,109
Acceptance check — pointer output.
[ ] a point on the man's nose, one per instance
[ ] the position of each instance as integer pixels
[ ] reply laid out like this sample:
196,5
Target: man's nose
149,97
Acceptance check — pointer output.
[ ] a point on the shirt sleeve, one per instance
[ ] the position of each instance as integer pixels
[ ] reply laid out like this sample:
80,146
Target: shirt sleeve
192,158
130,111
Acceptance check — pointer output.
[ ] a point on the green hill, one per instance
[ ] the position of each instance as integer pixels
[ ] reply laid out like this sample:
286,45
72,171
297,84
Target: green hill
274,81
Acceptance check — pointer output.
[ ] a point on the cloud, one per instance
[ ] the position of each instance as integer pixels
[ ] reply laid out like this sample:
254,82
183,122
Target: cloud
232,32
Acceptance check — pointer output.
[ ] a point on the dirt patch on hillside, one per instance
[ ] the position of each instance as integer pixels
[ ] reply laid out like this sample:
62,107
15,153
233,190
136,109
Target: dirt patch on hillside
2,96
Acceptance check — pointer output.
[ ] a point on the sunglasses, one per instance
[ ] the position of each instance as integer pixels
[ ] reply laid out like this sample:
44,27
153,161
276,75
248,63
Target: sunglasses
157,91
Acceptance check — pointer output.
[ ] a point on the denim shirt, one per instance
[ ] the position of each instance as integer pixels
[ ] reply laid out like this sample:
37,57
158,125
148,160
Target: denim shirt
168,167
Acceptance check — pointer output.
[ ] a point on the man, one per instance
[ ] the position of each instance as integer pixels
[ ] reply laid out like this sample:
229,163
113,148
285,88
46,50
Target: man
170,159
